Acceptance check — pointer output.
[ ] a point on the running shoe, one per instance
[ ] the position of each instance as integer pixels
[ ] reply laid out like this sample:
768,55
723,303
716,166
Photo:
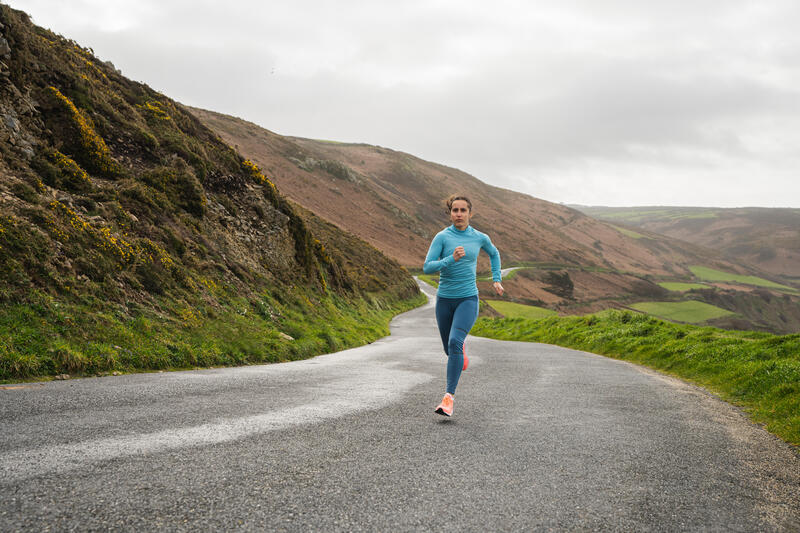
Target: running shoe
466,360
446,407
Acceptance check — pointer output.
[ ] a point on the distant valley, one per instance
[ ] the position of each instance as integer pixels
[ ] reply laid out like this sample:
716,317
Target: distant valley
767,238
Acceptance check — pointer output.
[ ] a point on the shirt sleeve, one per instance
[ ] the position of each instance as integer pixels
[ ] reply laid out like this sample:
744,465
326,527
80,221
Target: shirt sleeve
433,263
494,256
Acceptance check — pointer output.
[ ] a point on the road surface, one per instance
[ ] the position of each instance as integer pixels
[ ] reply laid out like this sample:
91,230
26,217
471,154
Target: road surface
543,439
506,271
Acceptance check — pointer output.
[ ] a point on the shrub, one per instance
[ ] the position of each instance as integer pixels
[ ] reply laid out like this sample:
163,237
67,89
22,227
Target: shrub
90,148
23,191
180,186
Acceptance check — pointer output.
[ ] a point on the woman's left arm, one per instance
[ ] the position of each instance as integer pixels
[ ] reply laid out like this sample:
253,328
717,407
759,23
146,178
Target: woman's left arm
494,257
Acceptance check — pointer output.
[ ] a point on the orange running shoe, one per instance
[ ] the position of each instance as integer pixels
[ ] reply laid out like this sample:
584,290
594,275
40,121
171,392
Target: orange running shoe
446,407
466,360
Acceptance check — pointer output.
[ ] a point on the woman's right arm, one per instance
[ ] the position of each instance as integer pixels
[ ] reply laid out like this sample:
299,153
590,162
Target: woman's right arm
432,261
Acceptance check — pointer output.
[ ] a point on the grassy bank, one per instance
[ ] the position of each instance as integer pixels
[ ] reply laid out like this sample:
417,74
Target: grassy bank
759,372
49,338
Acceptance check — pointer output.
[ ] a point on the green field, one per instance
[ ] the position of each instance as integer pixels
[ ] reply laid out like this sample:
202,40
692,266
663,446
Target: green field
512,310
629,233
642,214
709,274
759,372
681,287
691,311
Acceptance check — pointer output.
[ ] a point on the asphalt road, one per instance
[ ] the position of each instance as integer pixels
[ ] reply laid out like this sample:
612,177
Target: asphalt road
543,438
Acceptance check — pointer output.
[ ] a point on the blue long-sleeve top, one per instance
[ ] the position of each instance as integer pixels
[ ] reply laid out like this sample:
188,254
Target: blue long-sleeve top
457,278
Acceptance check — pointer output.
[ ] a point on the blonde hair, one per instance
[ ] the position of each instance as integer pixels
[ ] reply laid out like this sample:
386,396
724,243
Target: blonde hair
453,198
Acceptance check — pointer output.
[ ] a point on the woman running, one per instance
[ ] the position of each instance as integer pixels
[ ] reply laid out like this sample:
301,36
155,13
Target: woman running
454,252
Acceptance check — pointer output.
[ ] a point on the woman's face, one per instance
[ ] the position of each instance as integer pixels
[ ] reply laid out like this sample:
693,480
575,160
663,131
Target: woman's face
459,214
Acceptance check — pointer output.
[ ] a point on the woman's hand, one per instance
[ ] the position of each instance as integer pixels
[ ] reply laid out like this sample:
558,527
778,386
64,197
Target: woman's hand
459,253
498,288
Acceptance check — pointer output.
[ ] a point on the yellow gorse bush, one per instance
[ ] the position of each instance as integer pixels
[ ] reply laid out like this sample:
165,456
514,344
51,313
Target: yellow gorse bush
70,168
55,229
210,284
94,68
155,109
321,252
93,146
116,246
189,317
122,250
46,40
256,174
153,252
2,230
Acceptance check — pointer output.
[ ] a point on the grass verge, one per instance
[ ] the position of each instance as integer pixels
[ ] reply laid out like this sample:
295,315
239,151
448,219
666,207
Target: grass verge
49,338
758,372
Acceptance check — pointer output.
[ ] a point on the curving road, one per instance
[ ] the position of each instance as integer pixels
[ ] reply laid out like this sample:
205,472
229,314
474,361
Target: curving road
506,271
543,439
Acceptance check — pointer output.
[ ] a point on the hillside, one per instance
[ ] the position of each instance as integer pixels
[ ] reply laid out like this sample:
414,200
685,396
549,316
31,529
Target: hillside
573,263
132,237
767,238
383,195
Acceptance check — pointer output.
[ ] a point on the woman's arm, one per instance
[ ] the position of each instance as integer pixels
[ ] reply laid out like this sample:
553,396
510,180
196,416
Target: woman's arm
494,257
432,261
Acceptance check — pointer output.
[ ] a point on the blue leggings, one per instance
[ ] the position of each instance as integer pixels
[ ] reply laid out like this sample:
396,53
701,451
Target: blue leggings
455,317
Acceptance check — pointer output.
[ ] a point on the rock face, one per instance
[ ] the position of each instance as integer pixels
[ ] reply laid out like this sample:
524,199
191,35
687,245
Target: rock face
5,50
14,108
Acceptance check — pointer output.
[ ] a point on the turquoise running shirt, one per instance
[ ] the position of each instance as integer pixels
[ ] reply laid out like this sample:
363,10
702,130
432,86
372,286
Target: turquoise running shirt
457,278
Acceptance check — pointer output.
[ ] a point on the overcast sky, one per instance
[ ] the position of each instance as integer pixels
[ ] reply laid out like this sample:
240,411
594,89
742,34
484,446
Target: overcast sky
595,102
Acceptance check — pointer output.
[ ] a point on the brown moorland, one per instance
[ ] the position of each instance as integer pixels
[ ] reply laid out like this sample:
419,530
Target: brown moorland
394,201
